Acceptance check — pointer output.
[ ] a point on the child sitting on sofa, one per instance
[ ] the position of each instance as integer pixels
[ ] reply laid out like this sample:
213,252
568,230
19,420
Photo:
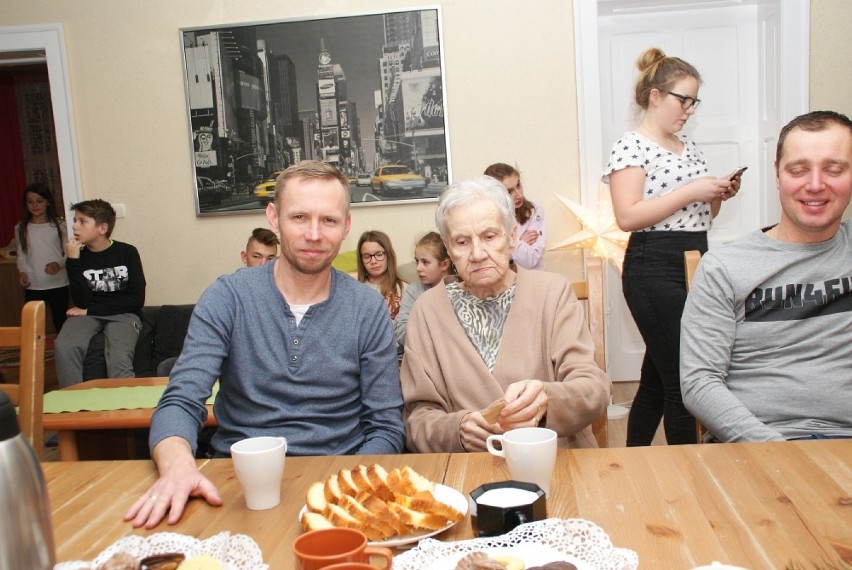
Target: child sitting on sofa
108,291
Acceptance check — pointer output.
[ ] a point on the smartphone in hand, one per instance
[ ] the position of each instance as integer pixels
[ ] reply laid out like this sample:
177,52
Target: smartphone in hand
737,173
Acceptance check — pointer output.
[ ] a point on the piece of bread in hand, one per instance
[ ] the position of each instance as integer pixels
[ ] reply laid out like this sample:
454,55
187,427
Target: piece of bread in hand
492,412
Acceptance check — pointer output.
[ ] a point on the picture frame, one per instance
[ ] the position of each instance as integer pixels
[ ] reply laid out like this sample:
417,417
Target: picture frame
365,92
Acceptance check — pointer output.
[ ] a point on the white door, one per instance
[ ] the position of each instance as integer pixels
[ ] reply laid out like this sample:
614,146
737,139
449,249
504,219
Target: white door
46,43
736,49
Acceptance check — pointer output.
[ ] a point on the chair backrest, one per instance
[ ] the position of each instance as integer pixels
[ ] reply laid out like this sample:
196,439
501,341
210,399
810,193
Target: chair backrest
690,263
591,290
28,394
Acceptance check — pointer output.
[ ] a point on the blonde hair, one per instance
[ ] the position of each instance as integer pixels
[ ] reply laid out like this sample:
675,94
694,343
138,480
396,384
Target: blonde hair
433,242
312,170
661,72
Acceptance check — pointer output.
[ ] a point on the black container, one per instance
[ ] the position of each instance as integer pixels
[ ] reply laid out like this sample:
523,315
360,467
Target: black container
493,520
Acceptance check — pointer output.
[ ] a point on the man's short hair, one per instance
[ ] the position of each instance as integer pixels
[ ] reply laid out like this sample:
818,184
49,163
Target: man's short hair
312,170
99,210
813,121
263,236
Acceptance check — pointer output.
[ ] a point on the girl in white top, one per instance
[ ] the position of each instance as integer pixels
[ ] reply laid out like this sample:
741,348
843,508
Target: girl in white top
662,192
41,237
531,235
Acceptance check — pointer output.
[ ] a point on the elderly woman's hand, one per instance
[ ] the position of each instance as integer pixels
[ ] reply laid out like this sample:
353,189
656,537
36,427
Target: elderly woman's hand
527,404
474,430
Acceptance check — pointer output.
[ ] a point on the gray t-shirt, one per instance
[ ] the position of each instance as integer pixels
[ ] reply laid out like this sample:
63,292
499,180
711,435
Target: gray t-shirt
766,339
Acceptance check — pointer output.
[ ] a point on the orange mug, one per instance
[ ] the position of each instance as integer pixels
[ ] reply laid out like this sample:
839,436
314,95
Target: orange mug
322,548
350,566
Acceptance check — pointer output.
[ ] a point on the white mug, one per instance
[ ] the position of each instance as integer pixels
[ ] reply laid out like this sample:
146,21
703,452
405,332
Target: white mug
529,452
259,463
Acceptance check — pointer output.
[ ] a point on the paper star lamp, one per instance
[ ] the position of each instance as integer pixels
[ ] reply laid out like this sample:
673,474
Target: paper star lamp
599,232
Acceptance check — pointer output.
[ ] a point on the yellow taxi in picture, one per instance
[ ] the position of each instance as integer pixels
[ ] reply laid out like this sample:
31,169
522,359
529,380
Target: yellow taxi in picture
265,191
397,178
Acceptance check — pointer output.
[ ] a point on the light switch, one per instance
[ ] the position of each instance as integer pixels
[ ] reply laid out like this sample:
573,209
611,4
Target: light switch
119,210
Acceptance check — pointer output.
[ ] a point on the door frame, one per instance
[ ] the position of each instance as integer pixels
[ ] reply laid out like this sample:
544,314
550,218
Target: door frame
50,39
794,87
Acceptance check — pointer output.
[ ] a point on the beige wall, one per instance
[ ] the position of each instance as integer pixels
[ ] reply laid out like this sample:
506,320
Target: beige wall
510,85
831,54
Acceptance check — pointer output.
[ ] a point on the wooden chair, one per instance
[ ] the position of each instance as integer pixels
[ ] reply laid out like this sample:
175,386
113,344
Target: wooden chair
690,263
28,394
591,290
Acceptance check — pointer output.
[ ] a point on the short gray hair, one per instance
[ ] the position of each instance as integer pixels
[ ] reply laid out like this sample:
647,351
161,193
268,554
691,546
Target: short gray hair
470,191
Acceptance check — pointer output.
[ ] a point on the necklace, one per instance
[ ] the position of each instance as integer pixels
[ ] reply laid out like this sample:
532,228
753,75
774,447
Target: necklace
671,143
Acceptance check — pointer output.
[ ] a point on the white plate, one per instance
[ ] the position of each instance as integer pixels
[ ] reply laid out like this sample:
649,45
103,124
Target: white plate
578,541
233,551
442,493
531,554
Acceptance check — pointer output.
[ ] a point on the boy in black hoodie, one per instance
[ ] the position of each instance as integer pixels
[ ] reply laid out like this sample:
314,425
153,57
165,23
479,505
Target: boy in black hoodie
108,290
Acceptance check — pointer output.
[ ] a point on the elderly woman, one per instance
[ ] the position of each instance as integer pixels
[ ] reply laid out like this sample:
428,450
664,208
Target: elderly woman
492,334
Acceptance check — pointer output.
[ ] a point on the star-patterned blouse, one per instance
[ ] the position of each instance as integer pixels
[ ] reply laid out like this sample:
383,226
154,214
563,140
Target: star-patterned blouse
665,172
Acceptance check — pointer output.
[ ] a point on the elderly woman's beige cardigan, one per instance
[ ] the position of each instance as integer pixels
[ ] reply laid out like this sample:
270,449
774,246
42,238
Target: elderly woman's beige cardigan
545,337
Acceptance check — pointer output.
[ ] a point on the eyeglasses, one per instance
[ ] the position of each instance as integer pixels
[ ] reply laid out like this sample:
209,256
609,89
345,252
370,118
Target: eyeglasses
685,102
366,257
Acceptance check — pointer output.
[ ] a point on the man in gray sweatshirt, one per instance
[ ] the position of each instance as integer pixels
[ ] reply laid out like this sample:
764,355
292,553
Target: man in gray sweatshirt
766,335
301,351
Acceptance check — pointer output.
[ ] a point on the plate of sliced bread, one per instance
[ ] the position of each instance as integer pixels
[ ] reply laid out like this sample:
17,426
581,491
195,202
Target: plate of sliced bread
392,508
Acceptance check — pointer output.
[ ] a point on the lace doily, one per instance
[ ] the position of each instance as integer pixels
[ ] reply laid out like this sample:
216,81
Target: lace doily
578,538
236,551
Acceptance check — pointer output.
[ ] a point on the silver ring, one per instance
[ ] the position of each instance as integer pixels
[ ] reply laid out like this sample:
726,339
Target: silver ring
153,498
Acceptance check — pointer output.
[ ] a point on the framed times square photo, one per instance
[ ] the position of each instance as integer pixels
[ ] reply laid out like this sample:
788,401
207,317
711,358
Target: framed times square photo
363,92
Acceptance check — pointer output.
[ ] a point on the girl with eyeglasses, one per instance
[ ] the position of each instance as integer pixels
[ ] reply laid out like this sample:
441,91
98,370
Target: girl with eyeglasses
662,192
377,268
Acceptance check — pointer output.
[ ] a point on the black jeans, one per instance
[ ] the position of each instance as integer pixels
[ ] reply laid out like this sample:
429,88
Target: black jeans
56,301
654,285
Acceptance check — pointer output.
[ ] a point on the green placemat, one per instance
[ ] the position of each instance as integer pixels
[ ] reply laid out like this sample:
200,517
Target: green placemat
104,399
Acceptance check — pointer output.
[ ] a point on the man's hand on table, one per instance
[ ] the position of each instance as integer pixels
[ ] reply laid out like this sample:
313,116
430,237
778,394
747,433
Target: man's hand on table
179,480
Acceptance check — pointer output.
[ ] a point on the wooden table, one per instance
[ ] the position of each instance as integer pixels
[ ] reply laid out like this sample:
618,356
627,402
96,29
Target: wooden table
104,430
761,505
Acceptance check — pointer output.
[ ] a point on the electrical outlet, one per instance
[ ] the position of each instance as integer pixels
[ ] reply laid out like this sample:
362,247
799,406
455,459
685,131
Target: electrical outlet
120,211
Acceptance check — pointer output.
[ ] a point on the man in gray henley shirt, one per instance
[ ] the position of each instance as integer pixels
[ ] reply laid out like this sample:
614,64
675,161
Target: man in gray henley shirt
300,349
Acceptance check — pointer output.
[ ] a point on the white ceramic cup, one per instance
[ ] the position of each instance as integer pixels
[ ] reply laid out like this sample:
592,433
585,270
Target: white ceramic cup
259,463
529,452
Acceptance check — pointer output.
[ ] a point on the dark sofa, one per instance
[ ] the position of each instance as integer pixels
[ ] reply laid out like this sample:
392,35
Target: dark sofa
163,330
